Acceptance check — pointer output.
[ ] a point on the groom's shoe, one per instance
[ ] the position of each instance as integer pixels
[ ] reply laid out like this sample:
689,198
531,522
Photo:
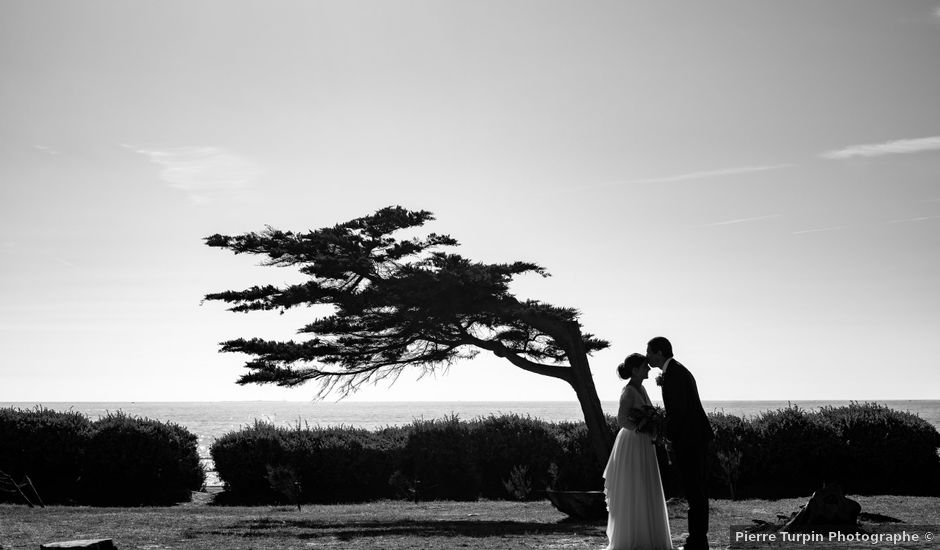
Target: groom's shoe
694,545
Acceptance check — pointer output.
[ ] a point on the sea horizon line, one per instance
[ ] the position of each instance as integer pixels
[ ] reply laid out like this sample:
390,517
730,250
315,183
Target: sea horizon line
394,401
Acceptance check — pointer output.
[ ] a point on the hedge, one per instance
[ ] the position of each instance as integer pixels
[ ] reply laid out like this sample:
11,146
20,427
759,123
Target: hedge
268,464
866,448
117,460
48,447
138,461
122,460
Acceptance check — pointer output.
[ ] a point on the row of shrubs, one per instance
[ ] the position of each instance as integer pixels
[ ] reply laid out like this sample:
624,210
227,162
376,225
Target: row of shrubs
504,457
117,460
866,448
121,460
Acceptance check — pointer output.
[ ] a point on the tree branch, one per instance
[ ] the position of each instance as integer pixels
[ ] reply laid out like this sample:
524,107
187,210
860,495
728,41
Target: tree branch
498,349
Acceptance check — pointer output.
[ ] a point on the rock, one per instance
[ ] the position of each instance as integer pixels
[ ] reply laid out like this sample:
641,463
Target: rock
827,507
587,505
96,544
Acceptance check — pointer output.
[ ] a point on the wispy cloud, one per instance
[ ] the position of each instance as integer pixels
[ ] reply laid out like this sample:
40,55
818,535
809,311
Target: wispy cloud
690,176
202,172
45,149
917,219
897,147
740,220
820,230
707,174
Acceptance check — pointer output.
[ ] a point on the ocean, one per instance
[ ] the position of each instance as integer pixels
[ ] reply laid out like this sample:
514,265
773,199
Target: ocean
210,420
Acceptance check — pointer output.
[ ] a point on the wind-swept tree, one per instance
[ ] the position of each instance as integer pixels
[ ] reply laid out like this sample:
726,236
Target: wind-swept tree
400,303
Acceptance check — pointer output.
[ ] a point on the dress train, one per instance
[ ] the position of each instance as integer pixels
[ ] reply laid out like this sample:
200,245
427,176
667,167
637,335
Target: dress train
638,519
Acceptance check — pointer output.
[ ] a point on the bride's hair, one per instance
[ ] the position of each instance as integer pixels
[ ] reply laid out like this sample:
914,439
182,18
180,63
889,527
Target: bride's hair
634,360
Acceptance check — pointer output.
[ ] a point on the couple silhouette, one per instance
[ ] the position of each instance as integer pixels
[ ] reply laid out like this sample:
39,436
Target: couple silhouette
638,519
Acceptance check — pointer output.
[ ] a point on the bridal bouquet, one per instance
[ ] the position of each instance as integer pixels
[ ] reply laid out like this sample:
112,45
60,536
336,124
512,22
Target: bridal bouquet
650,420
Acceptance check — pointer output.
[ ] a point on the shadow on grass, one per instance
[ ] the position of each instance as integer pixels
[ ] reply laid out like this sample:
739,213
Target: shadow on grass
313,529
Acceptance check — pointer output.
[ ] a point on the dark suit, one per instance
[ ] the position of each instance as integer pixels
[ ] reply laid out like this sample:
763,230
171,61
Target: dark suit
688,429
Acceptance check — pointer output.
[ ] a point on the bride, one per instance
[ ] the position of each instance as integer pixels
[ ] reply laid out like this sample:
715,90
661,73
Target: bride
637,517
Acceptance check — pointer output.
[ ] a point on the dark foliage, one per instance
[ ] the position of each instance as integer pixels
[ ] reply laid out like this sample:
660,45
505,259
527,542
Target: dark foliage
442,459
885,450
867,449
137,461
117,460
242,459
734,455
575,468
795,451
864,448
342,465
47,446
511,442
329,465
398,303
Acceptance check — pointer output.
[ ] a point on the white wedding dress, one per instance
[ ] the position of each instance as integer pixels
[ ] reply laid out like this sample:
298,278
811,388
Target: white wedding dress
637,518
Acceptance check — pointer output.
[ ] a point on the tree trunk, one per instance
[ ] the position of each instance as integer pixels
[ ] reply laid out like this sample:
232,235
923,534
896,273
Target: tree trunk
583,383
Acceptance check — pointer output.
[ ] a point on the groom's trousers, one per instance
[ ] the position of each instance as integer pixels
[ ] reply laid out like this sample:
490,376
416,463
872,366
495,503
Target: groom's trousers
692,461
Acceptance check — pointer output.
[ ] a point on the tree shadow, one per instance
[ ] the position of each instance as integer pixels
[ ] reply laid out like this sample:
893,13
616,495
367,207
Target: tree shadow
347,531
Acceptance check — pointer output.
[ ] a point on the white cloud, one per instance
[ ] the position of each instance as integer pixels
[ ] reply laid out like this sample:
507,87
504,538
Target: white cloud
707,174
897,147
820,230
740,220
45,149
202,172
917,219
681,177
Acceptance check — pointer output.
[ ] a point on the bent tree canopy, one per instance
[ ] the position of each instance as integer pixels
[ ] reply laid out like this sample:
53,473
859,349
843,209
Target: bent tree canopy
400,304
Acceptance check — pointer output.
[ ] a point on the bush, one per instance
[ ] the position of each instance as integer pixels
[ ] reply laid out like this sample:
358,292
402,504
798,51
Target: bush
47,446
322,465
796,452
137,461
441,460
342,464
734,453
242,459
865,449
886,451
516,455
117,460
576,468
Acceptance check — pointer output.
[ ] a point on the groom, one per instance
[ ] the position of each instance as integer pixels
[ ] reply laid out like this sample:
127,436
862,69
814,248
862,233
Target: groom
688,429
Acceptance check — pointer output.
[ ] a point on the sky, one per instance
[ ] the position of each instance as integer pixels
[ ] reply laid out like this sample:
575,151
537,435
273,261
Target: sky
758,181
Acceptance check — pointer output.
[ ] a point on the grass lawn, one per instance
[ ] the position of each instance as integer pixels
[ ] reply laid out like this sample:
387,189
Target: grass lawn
390,525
